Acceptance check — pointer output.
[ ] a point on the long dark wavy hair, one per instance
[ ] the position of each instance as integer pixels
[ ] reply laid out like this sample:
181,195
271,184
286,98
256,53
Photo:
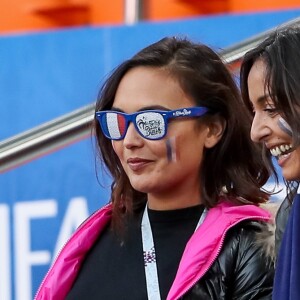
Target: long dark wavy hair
233,166
280,53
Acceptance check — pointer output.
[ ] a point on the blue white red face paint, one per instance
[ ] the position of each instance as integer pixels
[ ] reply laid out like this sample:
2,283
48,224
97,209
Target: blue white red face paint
171,149
284,126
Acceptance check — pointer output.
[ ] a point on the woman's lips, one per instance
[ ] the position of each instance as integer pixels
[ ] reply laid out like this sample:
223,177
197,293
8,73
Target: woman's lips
136,164
283,158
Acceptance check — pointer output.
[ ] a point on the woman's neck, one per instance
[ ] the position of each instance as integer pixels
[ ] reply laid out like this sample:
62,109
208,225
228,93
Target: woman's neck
171,202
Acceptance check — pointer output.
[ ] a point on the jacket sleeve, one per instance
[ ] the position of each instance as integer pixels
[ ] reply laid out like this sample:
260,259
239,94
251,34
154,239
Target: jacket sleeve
254,267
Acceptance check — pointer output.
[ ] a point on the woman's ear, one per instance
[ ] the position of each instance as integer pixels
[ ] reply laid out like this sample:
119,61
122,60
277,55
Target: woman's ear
216,128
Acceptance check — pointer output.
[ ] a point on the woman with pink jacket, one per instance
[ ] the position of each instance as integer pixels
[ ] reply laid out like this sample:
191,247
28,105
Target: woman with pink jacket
184,220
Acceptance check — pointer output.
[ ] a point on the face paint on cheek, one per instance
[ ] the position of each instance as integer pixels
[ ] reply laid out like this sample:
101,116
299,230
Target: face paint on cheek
284,126
171,149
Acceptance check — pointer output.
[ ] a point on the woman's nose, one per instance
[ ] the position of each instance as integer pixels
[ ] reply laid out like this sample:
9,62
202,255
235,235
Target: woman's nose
260,129
132,137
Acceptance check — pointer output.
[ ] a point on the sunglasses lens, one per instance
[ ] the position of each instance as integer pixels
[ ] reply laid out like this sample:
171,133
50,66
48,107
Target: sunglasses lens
113,125
151,125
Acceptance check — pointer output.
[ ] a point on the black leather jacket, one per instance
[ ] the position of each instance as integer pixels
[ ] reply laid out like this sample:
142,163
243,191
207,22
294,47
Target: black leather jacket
242,254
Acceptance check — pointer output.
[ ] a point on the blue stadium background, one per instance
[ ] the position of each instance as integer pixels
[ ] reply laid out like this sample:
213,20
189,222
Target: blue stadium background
45,75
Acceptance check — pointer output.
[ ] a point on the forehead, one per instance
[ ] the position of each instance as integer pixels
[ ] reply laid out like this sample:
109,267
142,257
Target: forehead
149,87
257,89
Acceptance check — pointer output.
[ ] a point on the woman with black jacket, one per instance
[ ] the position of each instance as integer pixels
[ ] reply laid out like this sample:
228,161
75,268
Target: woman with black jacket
184,220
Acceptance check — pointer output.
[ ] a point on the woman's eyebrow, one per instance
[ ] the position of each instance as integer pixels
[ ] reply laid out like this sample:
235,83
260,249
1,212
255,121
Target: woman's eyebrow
262,99
152,107
116,109
265,100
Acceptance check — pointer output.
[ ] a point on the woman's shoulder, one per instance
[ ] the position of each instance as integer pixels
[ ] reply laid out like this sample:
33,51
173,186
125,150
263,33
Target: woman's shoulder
253,237
249,249
244,264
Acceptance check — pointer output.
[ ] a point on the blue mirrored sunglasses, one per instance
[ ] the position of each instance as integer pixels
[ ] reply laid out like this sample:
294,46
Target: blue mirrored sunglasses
150,124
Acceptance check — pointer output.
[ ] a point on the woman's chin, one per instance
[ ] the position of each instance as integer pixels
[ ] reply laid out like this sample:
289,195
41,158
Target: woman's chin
291,177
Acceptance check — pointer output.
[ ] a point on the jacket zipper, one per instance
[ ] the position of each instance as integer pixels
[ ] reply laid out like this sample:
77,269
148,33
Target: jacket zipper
218,252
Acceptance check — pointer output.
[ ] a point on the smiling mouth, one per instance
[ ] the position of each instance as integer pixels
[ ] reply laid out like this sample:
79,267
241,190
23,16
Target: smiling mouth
281,150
